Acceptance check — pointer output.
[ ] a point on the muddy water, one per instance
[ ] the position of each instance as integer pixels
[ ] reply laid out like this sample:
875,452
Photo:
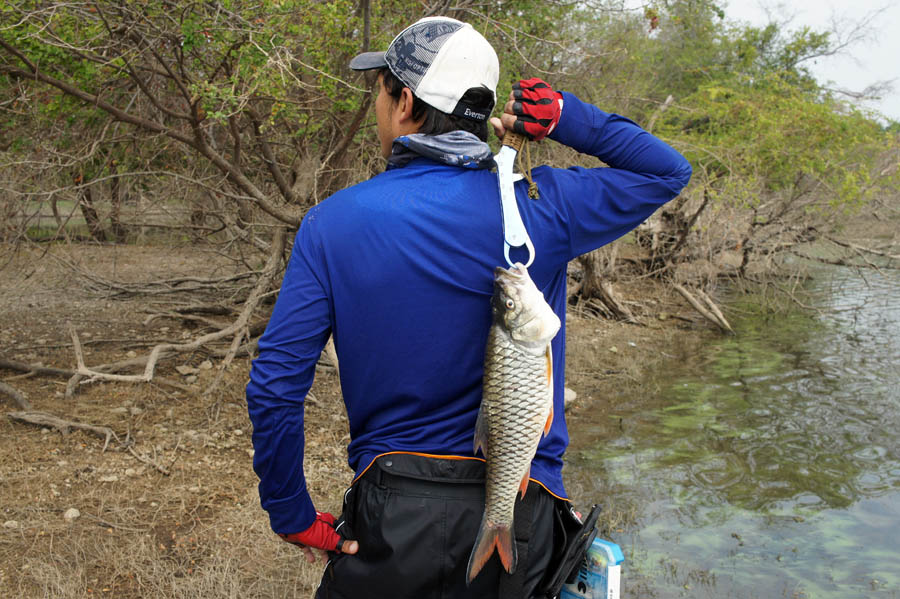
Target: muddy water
763,465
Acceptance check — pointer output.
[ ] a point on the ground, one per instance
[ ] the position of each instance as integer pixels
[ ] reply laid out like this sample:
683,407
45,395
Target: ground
196,530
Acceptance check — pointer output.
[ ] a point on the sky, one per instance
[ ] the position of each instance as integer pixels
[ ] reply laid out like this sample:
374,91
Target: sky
871,60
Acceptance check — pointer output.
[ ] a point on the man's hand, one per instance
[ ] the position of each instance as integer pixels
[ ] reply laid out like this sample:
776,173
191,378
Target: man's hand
533,110
322,537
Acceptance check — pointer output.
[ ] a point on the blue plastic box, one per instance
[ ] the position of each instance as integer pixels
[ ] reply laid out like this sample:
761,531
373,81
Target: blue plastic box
600,575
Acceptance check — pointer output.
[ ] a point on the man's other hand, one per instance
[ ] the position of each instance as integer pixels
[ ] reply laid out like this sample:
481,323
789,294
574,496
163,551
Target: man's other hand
533,110
322,537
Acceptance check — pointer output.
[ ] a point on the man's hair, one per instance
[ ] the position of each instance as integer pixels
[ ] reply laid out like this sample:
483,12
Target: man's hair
437,122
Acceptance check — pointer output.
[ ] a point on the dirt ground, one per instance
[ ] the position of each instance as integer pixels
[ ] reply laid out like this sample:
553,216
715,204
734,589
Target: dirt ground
169,508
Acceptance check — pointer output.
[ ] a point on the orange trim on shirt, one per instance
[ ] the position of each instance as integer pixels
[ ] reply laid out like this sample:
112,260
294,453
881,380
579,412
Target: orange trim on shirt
445,457
549,491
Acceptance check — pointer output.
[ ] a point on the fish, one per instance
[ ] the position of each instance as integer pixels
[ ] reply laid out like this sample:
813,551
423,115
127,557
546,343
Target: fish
516,407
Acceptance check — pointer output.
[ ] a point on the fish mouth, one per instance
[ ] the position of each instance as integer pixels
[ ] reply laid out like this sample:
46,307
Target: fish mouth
514,274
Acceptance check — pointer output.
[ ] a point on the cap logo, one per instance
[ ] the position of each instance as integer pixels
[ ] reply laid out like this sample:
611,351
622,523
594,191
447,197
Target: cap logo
474,115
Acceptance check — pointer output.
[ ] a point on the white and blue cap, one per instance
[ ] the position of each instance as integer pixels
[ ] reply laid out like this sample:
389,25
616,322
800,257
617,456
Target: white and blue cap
439,59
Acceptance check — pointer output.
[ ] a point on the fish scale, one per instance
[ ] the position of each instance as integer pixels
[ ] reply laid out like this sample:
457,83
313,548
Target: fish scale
516,406
522,376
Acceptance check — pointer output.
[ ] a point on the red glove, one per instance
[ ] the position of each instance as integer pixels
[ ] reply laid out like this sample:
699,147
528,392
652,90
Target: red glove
537,108
320,535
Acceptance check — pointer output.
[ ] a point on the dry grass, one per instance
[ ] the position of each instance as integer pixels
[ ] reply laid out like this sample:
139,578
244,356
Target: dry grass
198,532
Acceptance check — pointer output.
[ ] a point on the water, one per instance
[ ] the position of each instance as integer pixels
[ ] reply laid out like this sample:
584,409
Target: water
766,464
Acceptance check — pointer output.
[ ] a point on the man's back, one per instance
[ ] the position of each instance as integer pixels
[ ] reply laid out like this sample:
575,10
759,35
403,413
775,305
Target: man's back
407,259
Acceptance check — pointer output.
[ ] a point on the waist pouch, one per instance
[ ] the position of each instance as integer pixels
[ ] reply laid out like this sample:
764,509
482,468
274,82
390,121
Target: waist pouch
573,537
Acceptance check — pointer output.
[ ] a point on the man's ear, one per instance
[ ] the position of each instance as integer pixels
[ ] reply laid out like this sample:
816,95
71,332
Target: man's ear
404,106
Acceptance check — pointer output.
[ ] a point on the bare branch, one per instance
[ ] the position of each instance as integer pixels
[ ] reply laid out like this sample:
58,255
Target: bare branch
16,395
709,311
63,426
271,162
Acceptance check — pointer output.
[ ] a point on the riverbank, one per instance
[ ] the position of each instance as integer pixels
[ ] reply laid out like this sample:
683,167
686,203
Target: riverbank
170,507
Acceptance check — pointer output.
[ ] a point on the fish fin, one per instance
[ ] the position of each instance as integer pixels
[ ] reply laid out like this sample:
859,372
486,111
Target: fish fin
492,536
481,433
549,355
523,486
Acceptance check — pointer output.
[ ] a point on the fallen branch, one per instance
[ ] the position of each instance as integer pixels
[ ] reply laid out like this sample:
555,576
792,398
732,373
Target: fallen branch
861,248
192,313
16,395
157,314
658,112
63,426
161,469
239,328
714,309
83,371
710,311
75,377
126,343
160,287
34,368
843,261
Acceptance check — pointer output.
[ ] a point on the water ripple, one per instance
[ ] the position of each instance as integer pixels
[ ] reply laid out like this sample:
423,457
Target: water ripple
785,450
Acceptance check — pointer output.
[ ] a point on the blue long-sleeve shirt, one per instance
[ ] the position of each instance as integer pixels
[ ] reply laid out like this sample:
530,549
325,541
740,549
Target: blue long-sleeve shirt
399,269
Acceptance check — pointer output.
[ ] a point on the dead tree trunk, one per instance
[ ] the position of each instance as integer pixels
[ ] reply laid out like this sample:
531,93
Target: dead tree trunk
86,203
597,288
116,198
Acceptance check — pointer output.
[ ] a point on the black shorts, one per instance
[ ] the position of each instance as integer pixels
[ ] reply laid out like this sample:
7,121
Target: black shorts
416,519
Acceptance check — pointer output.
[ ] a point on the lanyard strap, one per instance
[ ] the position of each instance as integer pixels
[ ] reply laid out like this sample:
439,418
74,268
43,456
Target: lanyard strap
514,233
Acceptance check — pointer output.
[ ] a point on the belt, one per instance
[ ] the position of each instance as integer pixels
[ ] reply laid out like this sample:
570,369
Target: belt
440,477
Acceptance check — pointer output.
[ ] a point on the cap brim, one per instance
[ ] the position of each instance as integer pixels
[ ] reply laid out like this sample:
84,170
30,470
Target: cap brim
367,61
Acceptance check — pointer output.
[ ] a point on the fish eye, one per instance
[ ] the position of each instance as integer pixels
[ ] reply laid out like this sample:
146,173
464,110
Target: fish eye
510,304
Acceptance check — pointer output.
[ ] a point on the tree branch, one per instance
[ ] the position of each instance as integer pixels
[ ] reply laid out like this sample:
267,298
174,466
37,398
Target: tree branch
269,157
63,426
16,395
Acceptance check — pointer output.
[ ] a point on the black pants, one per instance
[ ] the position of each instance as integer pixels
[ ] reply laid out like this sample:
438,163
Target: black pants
416,519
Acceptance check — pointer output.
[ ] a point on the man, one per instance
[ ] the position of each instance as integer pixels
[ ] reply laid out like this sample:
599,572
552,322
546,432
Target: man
399,270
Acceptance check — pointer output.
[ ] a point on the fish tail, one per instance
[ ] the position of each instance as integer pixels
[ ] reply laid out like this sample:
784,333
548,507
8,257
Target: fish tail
492,536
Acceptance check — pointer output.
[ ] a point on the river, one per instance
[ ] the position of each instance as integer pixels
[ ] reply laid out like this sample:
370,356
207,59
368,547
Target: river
766,464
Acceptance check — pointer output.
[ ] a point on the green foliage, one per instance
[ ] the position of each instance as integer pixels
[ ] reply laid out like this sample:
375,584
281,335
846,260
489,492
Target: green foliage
778,138
243,76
